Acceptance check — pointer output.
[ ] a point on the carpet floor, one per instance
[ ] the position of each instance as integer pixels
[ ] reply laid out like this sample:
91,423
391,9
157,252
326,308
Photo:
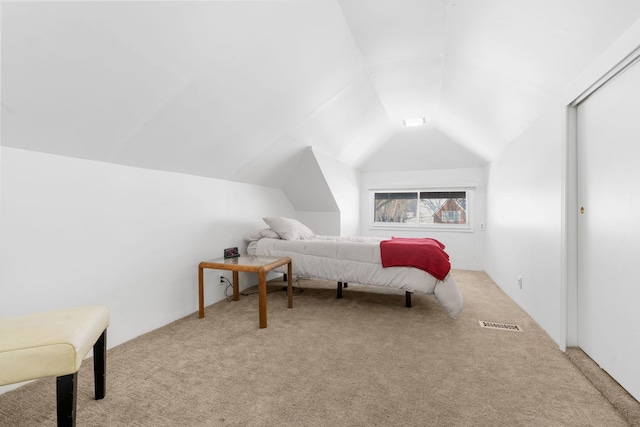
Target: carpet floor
363,360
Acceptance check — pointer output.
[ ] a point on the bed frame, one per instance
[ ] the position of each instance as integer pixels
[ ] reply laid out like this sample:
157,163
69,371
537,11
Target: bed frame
341,285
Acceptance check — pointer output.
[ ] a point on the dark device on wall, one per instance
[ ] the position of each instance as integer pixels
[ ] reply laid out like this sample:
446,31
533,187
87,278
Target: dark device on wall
231,253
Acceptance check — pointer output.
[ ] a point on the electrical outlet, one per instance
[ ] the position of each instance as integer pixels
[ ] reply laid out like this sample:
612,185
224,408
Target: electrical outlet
481,226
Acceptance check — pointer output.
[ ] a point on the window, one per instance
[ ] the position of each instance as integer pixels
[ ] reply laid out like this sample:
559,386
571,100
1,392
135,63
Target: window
422,208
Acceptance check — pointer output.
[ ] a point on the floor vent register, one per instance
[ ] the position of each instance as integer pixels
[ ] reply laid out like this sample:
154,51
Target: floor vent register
501,326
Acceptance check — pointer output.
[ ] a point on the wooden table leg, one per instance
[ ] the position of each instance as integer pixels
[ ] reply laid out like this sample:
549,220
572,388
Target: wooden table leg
200,292
289,286
236,287
262,298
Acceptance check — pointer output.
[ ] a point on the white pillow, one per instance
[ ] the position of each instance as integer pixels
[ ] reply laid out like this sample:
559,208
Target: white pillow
289,229
261,233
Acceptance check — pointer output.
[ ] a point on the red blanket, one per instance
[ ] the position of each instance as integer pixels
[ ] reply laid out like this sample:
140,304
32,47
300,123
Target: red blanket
426,254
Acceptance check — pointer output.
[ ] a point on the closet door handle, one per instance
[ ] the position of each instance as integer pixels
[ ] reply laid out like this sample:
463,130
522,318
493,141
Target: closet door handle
581,209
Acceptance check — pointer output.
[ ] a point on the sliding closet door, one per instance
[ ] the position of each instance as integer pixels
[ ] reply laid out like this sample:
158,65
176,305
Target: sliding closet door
609,228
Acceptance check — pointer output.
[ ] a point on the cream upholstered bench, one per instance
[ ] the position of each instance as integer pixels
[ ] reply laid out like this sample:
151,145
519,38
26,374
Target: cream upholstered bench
52,344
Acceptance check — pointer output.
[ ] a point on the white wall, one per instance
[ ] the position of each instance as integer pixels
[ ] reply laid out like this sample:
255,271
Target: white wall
83,232
465,248
324,192
530,197
0,120
310,195
344,185
322,223
524,221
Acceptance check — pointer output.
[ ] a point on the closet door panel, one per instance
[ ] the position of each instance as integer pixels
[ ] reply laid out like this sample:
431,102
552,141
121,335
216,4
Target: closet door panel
608,147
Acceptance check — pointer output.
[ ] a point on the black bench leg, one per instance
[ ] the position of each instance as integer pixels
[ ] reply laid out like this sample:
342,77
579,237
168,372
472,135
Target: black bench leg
100,365
407,299
66,397
339,290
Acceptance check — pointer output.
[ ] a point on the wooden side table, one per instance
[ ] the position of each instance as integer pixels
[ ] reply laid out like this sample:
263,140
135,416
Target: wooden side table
250,264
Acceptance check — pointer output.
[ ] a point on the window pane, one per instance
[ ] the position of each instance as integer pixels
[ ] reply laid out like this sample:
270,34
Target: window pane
396,207
443,207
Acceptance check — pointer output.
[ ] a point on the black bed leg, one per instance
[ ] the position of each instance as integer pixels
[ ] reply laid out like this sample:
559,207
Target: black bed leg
284,277
407,299
345,285
66,397
339,290
100,366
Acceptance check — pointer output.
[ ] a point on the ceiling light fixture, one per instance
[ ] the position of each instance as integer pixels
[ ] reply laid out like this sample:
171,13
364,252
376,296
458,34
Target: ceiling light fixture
414,122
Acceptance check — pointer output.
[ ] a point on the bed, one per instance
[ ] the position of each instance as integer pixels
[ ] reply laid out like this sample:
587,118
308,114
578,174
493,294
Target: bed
346,260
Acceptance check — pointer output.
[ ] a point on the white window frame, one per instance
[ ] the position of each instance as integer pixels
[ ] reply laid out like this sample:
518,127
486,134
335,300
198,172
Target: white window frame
468,227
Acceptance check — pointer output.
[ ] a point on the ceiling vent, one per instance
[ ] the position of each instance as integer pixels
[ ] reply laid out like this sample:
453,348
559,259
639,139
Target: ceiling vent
414,122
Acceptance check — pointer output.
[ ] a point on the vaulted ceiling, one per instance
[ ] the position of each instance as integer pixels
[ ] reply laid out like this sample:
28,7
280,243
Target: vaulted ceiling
239,89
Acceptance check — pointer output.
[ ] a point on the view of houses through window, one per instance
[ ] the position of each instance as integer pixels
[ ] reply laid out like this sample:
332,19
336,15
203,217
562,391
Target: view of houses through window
421,207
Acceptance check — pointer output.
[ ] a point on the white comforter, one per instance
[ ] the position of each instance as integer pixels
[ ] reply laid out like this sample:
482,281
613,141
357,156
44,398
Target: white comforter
357,260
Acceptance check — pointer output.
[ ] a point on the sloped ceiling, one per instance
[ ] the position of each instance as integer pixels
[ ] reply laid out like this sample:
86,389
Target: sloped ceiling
239,89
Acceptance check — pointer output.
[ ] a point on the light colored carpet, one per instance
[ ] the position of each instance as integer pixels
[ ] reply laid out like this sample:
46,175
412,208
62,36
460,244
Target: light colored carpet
610,389
364,360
